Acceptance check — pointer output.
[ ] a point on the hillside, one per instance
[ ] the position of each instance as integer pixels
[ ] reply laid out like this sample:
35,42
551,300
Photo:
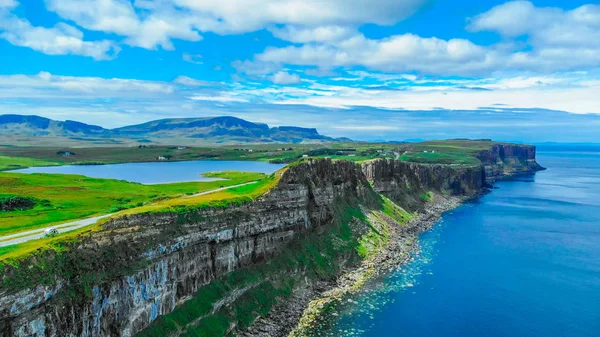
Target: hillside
36,130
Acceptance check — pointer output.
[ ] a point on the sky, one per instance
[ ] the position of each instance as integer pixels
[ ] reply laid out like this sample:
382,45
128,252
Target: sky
385,70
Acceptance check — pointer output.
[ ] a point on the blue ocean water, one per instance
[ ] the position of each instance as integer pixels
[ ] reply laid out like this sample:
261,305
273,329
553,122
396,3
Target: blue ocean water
523,260
158,172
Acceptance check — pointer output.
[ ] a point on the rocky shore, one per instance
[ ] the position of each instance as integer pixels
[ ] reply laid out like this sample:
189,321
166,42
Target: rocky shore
311,307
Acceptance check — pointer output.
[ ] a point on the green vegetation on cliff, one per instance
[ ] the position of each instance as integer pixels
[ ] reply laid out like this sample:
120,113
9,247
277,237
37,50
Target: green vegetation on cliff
237,299
313,255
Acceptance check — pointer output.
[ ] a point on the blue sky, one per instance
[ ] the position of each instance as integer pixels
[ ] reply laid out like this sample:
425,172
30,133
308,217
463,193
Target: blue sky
401,69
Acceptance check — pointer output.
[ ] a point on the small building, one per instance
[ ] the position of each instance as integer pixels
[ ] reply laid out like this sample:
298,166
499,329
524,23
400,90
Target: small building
304,156
250,150
181,148
65,153
162,158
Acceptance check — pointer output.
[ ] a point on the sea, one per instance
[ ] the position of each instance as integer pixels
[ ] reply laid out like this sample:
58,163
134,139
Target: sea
523,260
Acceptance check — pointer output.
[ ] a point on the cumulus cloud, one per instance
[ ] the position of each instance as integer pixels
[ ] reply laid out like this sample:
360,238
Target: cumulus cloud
399,53
283,77
231,16
158,28
152,23
62,39
557,40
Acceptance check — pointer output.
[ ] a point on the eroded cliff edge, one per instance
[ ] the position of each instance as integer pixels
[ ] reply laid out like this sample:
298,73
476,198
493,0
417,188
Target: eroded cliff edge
214,270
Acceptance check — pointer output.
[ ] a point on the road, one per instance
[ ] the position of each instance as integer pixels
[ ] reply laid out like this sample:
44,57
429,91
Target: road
220,189
38,233
397,155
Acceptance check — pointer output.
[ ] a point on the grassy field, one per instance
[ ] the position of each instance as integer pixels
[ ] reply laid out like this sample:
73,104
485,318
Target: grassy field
460,152
67,197
14,163
177,203
221,198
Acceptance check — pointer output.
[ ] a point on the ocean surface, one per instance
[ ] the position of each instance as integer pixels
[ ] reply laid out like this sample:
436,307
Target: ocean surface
157,172
523,260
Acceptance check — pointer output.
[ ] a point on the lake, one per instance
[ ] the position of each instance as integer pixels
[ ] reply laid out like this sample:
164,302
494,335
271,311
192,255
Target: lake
523,260
157,172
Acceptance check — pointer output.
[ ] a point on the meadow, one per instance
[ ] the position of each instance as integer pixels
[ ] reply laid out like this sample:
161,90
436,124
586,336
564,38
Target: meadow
68,197
459,152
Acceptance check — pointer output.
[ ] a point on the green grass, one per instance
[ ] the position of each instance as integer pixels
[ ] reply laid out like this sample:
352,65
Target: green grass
427,196
71,197
14,163
457,152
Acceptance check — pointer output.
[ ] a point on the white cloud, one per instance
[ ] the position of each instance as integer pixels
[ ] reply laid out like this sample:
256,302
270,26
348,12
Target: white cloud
8,4
575,99
510,19
312,34
191,82
231,16
192,58
152,23
399,53
62,39
558,39
283,77
158,28
45,84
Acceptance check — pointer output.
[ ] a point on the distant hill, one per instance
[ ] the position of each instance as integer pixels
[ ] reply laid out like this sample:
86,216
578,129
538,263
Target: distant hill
40,126
184,131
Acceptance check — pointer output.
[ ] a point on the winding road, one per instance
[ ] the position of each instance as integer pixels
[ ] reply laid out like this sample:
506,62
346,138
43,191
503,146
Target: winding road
38,233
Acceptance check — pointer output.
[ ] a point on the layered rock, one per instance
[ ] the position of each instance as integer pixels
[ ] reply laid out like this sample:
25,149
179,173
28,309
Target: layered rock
408,183
503,160
215,242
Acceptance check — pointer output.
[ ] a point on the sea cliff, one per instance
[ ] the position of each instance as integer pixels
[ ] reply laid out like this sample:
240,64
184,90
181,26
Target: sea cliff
214,270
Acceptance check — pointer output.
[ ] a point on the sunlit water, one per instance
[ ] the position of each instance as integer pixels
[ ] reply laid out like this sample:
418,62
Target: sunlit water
521,261
157,172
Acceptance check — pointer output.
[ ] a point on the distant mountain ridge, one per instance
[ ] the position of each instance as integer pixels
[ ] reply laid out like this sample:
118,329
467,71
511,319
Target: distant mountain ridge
183,131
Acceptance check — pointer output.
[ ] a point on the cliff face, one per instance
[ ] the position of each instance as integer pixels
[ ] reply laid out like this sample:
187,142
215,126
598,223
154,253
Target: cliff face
408,183
213,243
150,263
508,159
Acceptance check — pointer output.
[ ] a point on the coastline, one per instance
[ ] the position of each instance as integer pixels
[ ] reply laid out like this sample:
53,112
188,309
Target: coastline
312,304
